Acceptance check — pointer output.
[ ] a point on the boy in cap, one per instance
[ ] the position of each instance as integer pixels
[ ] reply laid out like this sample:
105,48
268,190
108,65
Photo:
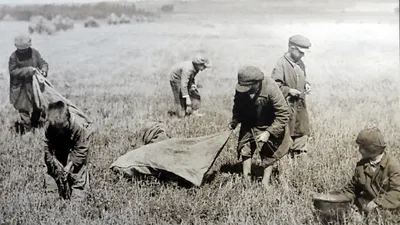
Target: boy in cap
376,181
66,151
290,74
184,89
22,65
261,109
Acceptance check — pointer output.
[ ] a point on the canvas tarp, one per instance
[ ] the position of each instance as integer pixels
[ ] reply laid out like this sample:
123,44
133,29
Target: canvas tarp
189,158
44,94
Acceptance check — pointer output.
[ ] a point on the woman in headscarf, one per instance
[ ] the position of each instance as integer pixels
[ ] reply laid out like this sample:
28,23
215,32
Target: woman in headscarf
22,65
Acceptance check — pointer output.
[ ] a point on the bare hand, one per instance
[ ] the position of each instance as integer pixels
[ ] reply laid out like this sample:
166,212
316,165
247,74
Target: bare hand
294,92
308,88
371,206
263,137
189,110
232,125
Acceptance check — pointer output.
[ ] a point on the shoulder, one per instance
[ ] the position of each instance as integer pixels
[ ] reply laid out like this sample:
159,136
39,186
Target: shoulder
13,55
281,61
392,163
269,87
35,52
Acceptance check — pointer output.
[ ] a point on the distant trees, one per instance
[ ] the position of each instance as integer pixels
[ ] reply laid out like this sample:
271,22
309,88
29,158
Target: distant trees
73,11
168,8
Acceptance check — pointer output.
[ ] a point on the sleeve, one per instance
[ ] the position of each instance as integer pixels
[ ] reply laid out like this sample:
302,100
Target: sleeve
279,77
235,109
281,111
348,192
18,72
43,66
303,67
391,198
79,152
48,152
185,79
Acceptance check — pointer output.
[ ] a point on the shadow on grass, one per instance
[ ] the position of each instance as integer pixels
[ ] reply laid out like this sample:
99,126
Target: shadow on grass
163,177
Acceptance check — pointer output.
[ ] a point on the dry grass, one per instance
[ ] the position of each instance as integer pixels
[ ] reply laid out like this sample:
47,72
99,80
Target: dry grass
117,74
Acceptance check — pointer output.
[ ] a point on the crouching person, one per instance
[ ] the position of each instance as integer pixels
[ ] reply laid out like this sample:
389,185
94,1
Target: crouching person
376,181
261,109
66,151
182,79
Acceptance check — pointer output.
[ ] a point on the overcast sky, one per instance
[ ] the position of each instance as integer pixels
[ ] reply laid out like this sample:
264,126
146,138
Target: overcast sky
52,1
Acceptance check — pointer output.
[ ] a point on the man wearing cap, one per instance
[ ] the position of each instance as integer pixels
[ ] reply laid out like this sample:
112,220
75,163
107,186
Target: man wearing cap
184,89
67,141
289,72
376,181
263,113
22,65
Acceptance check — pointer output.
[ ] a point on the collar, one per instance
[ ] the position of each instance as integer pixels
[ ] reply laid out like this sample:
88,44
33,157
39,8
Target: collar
375,162
291,62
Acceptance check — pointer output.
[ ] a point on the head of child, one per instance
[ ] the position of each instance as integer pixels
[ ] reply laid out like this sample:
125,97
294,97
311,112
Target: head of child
371,143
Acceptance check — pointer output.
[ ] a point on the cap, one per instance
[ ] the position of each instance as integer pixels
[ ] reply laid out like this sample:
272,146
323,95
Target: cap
371,139
22,41
201,60
248,76
300,42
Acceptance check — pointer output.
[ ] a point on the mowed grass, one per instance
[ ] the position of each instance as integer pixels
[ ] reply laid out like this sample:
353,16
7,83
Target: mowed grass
118,75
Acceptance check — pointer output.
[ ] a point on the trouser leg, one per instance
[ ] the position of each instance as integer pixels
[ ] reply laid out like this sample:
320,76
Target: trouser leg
25,121
299,146
179,103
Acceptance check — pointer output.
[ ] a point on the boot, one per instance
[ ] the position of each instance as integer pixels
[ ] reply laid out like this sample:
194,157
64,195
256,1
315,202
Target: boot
247,168
266,177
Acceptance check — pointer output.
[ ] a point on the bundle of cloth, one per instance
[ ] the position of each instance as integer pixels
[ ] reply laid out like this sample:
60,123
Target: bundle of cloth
188,158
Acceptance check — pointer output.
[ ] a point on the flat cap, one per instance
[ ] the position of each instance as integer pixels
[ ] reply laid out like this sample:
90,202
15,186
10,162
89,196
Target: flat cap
201,60
300,41
371,139
22,41
248,76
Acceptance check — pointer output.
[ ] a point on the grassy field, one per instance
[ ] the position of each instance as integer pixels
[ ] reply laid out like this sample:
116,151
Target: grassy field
117,74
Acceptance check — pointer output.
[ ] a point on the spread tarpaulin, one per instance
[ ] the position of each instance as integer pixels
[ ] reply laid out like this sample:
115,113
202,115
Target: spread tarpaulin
188,158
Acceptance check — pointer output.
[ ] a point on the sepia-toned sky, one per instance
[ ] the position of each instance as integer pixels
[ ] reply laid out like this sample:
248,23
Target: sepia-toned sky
55,1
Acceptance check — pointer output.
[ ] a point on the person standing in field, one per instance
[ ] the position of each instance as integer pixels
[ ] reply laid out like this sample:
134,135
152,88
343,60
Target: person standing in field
22,65
376,180
263,113
290,74
66,151
184,89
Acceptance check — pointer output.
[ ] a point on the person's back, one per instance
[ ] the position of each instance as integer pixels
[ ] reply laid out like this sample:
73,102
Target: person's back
183,85
185,67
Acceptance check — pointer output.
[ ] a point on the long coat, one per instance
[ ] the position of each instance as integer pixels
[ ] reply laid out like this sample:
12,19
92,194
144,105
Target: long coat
21,77
267,111
290,75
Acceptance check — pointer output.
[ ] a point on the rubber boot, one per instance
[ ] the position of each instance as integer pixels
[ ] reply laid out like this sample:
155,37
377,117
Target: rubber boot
267,177
247,168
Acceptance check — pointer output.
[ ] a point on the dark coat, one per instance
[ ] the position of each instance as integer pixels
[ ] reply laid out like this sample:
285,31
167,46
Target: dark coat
290,75
21,77
381,186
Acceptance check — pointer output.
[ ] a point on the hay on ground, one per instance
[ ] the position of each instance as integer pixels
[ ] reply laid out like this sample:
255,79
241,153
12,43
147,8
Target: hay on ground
91,22
112,19
41,25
